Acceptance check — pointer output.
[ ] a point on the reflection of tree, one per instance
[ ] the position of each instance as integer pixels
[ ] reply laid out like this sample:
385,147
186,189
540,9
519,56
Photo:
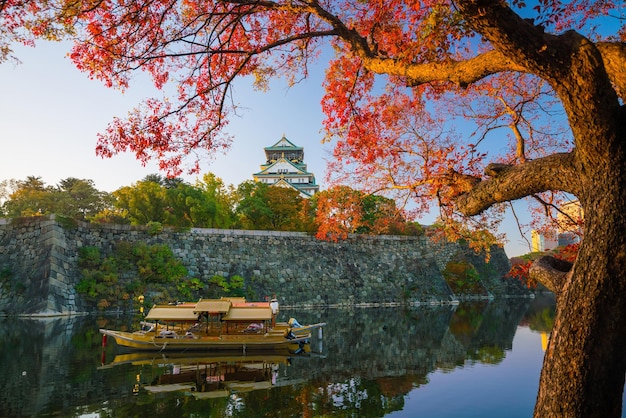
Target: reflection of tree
394,386
540,315
543,320
486,329
466,320
488,355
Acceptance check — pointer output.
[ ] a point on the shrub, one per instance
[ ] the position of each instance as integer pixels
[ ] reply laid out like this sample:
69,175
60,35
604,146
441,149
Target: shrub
462,277
154,228
128,270
228,287
88,257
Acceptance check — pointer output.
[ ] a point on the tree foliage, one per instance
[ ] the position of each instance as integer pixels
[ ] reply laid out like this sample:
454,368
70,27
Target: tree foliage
72,197
261,206
173,202
342,210
156,202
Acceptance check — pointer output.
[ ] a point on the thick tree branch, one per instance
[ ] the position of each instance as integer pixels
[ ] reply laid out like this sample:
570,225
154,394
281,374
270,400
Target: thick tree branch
461,73
551,272
554,172
516,38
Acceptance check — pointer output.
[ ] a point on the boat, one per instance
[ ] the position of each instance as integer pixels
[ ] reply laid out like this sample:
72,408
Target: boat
215,324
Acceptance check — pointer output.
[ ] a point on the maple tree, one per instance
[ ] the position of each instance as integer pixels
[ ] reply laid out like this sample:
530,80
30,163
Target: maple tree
338,212
402,70
342,210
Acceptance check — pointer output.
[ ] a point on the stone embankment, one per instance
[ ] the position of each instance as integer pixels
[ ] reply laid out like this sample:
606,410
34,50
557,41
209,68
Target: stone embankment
38,265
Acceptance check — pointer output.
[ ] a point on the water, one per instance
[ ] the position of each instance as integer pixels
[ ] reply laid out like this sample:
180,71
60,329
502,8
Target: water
475,360
481,389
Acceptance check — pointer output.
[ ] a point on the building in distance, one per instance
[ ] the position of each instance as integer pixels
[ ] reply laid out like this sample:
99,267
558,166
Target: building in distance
570,218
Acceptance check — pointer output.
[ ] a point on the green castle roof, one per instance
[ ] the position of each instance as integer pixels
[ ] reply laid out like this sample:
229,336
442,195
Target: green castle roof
282,144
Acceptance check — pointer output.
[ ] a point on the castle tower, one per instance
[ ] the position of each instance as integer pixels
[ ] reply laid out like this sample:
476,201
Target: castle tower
285,167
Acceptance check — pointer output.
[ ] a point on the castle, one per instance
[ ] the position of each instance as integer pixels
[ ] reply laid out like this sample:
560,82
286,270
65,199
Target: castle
285,167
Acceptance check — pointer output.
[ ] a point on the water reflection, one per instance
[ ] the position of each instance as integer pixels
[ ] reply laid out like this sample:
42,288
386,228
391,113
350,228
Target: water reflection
370,360
203,376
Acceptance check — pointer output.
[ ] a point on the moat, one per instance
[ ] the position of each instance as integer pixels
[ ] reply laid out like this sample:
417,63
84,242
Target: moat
474,359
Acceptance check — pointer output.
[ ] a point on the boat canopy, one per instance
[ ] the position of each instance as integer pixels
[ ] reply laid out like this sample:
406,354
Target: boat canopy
248,313
251,304
172,313
212,306
234,299
230,309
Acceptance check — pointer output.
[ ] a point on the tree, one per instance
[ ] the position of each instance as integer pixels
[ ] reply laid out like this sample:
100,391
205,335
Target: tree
173,202
22,21
381,216
72,197
252,209
339,212
397,63
261,206
214,190
79,198
143,202
284,204
30,198
187,206
7,187
342,210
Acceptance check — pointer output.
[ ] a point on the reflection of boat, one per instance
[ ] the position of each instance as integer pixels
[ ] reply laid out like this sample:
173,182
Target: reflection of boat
205,376
215,324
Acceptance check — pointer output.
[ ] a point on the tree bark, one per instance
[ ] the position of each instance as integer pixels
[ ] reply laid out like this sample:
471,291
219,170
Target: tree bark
584,365
551,271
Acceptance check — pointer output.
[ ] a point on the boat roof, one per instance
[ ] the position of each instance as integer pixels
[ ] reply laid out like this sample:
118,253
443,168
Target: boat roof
245,304
234,299
248,313
212,306
235,309
172,313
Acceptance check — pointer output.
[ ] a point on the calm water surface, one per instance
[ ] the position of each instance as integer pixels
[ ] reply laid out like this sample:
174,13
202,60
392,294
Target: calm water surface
472,360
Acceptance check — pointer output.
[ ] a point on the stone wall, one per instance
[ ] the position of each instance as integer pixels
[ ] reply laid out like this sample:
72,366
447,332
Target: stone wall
38,264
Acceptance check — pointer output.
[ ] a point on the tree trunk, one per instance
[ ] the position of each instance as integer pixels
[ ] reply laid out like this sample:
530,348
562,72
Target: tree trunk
585,363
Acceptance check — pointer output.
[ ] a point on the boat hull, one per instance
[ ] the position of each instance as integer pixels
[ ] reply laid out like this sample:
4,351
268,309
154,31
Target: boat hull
151,342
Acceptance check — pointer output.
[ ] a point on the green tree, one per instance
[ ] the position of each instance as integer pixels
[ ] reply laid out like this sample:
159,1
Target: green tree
252,209
31,197
174,202
79,198
284,204
380,215
270,208
143,202
222,200
187,206
72,197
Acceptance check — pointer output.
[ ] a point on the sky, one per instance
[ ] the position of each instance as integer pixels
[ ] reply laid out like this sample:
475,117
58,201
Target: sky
50,114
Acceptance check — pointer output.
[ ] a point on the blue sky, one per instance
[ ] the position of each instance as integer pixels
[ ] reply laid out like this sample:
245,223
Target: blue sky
51,114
